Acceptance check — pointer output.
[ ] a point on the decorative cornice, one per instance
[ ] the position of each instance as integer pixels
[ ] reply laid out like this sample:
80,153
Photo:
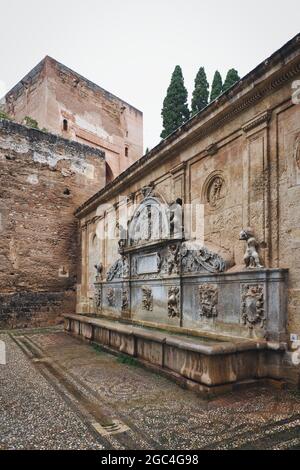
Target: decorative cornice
178,168
262,119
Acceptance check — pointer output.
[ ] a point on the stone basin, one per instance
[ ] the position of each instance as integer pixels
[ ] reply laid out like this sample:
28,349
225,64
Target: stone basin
205,365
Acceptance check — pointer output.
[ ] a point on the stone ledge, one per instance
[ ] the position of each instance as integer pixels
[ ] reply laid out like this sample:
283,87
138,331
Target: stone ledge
197,344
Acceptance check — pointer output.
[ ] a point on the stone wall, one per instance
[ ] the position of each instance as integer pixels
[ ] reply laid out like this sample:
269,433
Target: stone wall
248,143
52,93
43,178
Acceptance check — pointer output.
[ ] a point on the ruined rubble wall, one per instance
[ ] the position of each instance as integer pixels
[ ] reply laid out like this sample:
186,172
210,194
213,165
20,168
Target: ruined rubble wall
43,178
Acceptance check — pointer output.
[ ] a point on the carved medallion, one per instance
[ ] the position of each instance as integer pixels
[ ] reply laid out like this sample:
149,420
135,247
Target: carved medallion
252,305
110,297
208,300
147,299
215,190
173,302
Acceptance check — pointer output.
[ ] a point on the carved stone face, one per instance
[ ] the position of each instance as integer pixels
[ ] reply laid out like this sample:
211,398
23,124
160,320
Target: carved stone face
245,234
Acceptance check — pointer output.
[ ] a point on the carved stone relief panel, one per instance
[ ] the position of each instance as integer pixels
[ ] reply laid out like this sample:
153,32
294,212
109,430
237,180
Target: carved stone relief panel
215,190
252,305
125,300
149,223
201,260
120,269
173,259
208,300
174,302
98,298
110,297
147,302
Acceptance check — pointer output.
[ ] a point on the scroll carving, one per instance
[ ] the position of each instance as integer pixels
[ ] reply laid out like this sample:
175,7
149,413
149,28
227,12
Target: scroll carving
193,261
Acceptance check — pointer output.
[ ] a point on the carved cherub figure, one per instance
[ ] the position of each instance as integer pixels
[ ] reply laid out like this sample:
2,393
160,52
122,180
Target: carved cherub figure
251,257
173,259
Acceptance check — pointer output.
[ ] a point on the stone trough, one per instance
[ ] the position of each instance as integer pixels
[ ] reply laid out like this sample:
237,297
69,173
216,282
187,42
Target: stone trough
205,365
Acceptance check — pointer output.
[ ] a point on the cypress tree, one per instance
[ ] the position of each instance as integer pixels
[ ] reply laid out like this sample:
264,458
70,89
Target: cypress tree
231,78
217,86
201,91
175,108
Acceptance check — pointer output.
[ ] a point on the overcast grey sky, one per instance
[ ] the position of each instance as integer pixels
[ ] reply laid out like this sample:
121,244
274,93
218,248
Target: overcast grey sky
130,47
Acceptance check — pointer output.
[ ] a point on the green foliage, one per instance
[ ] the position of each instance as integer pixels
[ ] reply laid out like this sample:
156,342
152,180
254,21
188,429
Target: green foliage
217,86
130,361
175,108
30,122
231,78
97,348
201,92
4,115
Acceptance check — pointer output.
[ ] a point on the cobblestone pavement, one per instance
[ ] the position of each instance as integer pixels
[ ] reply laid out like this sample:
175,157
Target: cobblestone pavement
60,393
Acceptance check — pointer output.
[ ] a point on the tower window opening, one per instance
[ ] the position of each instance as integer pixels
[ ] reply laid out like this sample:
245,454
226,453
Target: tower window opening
65,125
126,151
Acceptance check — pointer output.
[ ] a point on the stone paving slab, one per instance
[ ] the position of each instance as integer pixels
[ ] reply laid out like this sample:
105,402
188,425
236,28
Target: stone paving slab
32,414
50,401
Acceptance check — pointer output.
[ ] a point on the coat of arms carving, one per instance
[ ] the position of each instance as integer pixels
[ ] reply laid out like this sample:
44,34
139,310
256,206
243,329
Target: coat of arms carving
252,305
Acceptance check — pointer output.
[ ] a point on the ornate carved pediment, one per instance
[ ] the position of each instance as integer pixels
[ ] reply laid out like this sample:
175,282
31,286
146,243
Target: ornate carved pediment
201,260
149,223
120,269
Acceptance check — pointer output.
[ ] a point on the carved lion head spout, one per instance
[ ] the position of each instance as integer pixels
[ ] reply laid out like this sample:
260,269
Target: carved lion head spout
251,257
